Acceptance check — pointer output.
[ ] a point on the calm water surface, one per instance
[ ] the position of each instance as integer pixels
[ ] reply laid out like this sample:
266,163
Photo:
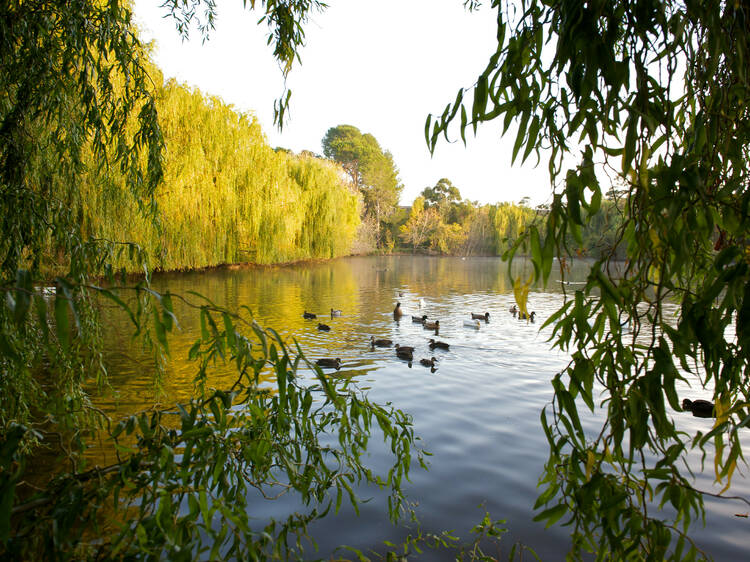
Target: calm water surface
478,414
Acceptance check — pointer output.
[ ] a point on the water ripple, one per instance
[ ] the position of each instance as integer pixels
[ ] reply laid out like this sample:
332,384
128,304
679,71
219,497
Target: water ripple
478,413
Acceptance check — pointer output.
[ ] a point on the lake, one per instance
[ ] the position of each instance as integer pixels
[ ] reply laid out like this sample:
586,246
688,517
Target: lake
477,414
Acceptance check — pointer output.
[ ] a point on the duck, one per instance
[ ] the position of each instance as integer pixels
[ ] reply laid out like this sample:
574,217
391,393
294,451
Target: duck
480,316
404,348
428,362
432,325
308,315
335,313
419,319
700,408
330,363
324,327
472,324
404,354
438,344
530,316
397,312
380,342
514,310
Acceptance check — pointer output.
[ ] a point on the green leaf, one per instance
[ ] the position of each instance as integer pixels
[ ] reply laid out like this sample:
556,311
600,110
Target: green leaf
520,136
168,316
464,121
531,142
480,101
552,515
205,512
596,202
630,140
609,290
427,138
204,325
161,334
229,330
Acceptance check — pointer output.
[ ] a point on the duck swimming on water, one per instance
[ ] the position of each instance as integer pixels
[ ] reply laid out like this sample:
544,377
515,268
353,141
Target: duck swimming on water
699,408
428,362
480,316
419,319
330,363
432,325
335,313
438,344
324,327
381,342
397,312
405,354
308,315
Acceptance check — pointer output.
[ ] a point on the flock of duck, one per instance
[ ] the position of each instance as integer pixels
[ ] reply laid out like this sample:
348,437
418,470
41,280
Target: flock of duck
699,408
406,353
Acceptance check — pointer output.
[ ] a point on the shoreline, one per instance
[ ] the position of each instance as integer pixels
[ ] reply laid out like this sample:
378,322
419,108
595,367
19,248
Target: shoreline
136,276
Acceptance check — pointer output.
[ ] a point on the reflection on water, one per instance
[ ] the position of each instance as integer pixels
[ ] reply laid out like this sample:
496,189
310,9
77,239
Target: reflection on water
478,413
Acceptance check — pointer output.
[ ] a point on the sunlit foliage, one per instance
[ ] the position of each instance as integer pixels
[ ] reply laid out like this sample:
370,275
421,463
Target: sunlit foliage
440,221
655,96
101,167
371,170
227,197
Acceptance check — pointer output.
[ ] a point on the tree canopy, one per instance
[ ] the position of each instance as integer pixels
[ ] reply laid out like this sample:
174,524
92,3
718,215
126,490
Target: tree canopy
655,95
442,193
370,168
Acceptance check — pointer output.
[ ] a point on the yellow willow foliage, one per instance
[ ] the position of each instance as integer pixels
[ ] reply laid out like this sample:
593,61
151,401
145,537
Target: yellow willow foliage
330,212
509,221
227,196
521,294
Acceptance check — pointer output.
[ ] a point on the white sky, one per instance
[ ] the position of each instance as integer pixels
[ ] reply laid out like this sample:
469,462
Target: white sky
380,66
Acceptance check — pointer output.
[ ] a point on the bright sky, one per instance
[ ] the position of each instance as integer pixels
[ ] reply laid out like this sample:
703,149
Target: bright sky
380,66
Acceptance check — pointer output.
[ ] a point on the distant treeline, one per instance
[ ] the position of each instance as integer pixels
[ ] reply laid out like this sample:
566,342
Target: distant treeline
439,221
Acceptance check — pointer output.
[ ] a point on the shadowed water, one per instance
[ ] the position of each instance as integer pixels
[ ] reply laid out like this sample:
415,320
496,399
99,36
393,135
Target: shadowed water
478,413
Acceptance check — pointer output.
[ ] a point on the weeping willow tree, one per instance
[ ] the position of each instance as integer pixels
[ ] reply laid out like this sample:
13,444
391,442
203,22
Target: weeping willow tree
82,149
226,197
509,222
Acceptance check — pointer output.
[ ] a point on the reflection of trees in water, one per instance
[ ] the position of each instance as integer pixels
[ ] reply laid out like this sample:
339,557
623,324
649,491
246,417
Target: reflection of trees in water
364,288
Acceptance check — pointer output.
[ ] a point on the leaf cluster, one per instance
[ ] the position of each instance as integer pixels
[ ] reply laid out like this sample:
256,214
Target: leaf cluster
652,97
187,478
